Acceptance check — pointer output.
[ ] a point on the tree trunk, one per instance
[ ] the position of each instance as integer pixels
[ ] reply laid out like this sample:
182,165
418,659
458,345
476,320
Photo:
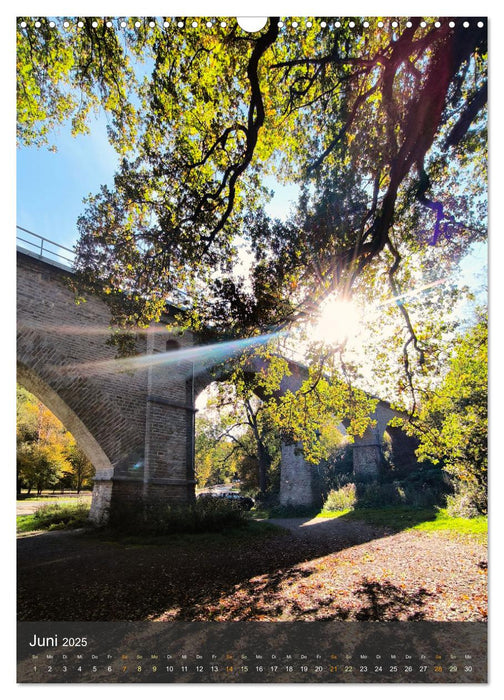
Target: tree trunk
264,464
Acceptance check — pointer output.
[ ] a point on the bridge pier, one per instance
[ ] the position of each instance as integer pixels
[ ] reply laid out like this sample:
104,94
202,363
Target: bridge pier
367,461
299,485
134,419
299,482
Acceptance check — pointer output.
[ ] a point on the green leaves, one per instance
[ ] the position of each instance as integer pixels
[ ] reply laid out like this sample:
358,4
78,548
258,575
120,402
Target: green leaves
66,73
351,116
453,422
383,132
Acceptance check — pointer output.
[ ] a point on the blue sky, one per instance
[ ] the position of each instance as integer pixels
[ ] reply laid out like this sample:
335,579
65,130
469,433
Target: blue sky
51,186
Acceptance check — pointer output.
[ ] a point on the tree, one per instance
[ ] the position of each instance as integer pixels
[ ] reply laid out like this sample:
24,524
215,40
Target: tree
236,438
40,444
453,422
383,131
63,74
216,460
80,471
47,455
373,121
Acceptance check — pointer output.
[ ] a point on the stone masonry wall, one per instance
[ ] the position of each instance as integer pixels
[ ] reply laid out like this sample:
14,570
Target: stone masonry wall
296,478
135,425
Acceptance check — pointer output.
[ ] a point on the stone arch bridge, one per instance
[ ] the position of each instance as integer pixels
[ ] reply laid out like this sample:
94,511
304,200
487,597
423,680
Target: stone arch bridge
134,422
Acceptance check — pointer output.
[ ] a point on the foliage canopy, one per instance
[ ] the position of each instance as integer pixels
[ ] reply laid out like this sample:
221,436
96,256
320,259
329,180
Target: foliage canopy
383,131
453,421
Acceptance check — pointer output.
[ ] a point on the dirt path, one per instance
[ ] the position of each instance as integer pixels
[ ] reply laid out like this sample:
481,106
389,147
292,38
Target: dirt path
29,506
315,569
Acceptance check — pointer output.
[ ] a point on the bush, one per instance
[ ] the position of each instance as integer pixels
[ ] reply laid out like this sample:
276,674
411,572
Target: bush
265,500
423,497
61,517
342,499
338,469
378,495
205,515
466,502
421,488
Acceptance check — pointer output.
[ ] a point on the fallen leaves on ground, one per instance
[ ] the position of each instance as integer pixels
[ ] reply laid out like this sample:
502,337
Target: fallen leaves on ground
349,572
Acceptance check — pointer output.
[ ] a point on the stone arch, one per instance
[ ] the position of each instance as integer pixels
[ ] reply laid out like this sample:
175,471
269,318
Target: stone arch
132,417
34,383
137,423
31,381
42,363
367,450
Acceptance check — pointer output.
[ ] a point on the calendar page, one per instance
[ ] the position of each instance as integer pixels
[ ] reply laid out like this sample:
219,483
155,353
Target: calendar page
252,349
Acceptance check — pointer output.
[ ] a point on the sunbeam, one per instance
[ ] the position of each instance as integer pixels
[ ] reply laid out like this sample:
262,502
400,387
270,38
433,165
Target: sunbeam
411,295
203,356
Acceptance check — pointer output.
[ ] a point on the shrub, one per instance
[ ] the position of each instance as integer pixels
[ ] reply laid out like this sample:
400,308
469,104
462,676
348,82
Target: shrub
342,499
205,515
423,496
337,470
420,488
61,517
378,495
265,500
466,502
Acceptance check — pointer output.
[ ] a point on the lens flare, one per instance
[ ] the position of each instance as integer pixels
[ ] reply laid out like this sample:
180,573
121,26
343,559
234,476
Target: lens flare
204,356
411,295
339,320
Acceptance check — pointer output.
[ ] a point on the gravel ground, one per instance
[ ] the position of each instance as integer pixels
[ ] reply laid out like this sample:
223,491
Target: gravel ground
315,569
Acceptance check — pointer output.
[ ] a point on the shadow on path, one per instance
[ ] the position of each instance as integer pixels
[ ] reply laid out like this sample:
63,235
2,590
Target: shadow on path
71,576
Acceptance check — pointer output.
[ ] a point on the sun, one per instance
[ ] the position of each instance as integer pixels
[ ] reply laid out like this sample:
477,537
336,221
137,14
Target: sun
339,321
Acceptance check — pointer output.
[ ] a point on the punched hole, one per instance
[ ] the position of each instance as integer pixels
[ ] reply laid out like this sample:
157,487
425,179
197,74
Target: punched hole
252,24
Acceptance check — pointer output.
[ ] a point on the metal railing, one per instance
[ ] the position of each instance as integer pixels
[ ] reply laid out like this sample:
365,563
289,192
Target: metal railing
45,248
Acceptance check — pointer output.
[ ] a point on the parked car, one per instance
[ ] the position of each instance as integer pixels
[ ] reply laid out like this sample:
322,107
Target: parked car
244,502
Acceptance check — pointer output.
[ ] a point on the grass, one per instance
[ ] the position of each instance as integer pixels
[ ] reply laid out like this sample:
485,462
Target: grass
443,521
409,518
260,513
74,515
394,517
288,511
333,513
64,518
210,521
54,517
